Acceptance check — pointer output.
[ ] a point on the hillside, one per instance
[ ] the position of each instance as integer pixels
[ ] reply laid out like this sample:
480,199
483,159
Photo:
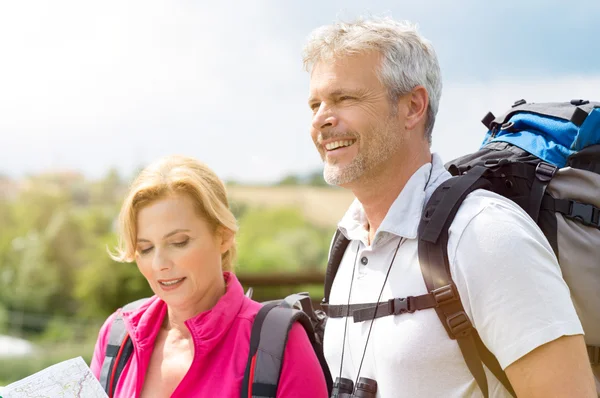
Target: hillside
322,205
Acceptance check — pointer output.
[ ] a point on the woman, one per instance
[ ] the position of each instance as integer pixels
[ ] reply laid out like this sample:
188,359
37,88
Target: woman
191,339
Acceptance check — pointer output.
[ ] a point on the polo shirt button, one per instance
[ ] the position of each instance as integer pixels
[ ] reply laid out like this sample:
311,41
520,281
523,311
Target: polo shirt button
364,261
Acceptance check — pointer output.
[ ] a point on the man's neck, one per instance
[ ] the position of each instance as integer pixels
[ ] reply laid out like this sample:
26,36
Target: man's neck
378,192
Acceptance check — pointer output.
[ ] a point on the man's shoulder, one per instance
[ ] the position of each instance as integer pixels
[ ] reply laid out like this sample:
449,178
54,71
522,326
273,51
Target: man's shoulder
495,209
487,215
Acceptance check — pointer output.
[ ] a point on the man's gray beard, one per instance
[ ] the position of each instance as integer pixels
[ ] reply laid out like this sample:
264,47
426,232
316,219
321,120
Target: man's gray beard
379,152
364,162
334,176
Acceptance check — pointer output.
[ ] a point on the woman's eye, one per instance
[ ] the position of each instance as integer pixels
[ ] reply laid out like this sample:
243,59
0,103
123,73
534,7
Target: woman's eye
145,251
181,243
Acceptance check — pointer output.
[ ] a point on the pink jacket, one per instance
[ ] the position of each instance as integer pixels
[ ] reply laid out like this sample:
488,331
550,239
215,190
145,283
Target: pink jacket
222,341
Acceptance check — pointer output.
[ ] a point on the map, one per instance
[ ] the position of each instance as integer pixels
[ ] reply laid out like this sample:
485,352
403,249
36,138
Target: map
68,379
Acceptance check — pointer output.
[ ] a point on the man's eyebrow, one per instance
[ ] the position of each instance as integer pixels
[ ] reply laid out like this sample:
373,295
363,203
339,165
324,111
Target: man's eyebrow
175,231
338,92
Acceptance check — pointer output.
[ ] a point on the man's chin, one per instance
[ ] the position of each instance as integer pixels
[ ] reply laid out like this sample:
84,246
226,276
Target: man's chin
337,176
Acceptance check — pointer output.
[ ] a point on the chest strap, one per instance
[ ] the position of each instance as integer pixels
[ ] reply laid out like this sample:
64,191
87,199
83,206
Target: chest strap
368,311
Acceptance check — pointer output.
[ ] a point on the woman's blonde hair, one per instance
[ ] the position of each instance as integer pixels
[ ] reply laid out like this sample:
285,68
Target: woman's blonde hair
176,175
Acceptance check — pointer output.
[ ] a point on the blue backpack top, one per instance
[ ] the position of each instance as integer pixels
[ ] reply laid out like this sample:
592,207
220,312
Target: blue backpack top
551,131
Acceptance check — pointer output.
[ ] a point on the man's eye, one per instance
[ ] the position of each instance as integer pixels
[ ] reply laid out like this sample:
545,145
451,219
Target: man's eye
346,97
315,106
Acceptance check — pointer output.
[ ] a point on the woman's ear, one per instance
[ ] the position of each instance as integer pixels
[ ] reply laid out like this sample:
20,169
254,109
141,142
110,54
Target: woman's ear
226,237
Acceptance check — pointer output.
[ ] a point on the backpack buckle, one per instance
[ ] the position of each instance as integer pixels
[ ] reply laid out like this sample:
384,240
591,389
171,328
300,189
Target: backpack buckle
459,324
584,213
402,305
445,294
545,171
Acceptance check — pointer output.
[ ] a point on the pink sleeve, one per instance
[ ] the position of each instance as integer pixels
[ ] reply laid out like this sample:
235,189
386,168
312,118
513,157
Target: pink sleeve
301,373
98,358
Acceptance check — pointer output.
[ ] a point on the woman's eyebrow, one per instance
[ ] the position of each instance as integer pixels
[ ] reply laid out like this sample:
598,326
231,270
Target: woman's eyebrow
173,232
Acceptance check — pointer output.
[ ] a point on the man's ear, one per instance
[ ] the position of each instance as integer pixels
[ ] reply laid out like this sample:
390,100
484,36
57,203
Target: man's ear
417,103
226,238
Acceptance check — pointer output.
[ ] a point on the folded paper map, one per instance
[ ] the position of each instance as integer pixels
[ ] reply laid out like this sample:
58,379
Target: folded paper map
68,379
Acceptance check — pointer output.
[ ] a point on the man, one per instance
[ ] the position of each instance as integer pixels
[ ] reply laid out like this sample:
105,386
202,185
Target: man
375,88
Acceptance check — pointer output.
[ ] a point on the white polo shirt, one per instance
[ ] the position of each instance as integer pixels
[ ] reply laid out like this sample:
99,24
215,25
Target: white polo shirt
506,273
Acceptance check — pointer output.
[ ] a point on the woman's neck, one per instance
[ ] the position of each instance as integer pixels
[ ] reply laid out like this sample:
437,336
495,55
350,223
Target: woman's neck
177,316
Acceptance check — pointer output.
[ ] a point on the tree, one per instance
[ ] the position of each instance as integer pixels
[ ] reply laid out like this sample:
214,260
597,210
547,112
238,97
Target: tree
104,285
289,180
316,179
280,239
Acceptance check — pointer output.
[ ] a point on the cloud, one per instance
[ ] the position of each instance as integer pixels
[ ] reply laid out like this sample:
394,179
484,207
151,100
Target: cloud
458,126
88,86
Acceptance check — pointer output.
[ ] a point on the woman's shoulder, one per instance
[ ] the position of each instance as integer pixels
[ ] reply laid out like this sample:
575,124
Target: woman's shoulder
132,309
249,309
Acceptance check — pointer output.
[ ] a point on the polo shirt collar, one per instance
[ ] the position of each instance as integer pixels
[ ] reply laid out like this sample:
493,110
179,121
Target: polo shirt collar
403,217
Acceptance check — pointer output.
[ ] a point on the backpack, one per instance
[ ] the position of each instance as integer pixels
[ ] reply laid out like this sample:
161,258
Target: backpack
268,339
546,158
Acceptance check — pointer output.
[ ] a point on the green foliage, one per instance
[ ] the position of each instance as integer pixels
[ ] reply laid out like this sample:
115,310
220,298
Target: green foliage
290,180
314,178
58,282
280,239
3,319
104,285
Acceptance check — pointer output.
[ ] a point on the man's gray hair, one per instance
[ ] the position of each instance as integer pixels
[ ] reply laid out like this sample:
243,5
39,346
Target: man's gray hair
409,59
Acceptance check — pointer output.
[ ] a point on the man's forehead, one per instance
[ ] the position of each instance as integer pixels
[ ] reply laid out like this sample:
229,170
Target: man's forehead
348,73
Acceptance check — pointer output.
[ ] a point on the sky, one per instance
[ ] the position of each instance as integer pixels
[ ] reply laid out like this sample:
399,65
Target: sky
90,86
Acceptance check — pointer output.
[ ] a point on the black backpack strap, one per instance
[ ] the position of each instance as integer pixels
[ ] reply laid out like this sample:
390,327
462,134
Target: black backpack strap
118,350
369,311
588,215
544,172
317,317
338,248
268,340
433,257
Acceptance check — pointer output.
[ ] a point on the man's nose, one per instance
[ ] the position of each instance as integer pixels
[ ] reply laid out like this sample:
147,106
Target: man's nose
324,118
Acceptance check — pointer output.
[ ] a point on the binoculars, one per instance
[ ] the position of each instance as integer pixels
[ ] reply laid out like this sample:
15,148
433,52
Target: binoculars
344,388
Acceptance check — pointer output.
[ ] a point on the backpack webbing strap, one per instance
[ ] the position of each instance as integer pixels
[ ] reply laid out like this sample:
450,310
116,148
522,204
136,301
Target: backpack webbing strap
116,339
338,248
118,350
254,341
368,311
588,215
543,174
438,214
268,340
